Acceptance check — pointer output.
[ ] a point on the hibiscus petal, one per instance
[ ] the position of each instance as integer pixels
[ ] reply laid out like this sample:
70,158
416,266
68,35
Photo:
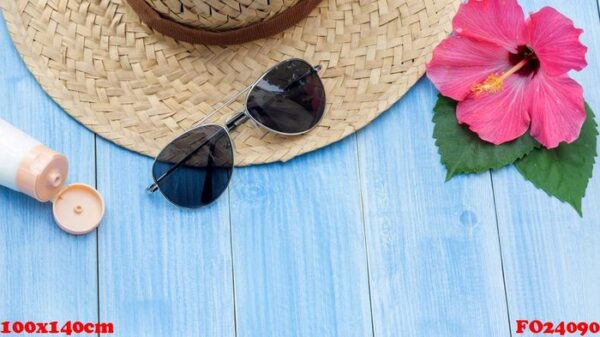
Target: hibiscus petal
557,109
498,117
459,62
555,41
497,21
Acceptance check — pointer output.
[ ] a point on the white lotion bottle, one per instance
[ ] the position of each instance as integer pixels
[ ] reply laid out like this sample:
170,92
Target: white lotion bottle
28,166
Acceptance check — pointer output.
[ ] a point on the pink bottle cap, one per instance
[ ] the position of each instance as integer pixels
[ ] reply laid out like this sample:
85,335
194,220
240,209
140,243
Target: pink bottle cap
42,173
78,209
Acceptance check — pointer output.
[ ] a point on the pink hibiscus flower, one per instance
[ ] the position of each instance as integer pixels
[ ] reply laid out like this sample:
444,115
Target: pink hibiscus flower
510,75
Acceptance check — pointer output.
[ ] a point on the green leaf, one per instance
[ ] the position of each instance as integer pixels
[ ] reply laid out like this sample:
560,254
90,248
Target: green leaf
564,172
462,151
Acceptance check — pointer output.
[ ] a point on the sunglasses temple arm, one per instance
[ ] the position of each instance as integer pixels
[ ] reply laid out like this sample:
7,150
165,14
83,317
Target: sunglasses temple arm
207,185
152,188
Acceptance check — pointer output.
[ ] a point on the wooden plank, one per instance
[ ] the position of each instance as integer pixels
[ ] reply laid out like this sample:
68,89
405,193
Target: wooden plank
164,271
298,246
434,260
45,274
551,256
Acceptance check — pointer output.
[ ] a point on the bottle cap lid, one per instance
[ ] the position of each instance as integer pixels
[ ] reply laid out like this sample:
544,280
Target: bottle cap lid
78,209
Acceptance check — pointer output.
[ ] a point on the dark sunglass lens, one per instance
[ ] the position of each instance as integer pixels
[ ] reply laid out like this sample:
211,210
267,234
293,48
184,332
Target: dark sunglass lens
195,168
290,98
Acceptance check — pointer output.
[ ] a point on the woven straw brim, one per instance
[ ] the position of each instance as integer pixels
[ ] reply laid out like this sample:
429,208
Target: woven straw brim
141,89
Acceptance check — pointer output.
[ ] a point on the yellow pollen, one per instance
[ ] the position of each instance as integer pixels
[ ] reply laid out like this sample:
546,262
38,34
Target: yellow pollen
494,83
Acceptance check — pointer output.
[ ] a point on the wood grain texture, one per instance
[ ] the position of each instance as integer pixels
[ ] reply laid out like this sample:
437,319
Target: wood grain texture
299,249
45,274
434,259
551,256
164,271
305,248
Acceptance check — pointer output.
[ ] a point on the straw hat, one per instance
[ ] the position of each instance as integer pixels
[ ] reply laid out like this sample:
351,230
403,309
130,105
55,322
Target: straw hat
124,70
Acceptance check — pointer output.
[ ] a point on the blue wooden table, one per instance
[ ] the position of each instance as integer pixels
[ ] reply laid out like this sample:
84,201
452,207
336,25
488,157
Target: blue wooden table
362,238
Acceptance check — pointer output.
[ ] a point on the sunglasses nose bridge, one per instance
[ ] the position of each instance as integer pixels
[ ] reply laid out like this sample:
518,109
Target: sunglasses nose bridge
236,120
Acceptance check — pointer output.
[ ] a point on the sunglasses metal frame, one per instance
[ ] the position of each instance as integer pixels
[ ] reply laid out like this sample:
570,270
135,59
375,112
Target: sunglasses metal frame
315,68
231,123
164,175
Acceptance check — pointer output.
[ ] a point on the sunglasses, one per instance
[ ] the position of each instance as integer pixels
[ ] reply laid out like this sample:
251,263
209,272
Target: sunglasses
195,169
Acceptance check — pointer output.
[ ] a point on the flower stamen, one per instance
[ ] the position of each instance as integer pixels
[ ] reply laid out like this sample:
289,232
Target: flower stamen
494,83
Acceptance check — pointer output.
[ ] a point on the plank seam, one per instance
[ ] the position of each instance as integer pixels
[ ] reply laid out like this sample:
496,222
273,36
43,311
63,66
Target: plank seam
97,234
363,220
501,255
235,330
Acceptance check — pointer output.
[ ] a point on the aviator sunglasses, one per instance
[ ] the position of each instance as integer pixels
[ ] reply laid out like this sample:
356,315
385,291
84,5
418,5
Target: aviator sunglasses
195,169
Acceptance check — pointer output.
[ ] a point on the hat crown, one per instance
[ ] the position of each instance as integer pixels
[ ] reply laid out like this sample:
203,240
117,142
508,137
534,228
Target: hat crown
220,15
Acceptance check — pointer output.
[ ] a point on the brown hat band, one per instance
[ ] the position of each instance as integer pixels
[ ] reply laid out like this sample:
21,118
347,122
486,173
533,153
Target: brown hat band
255,31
